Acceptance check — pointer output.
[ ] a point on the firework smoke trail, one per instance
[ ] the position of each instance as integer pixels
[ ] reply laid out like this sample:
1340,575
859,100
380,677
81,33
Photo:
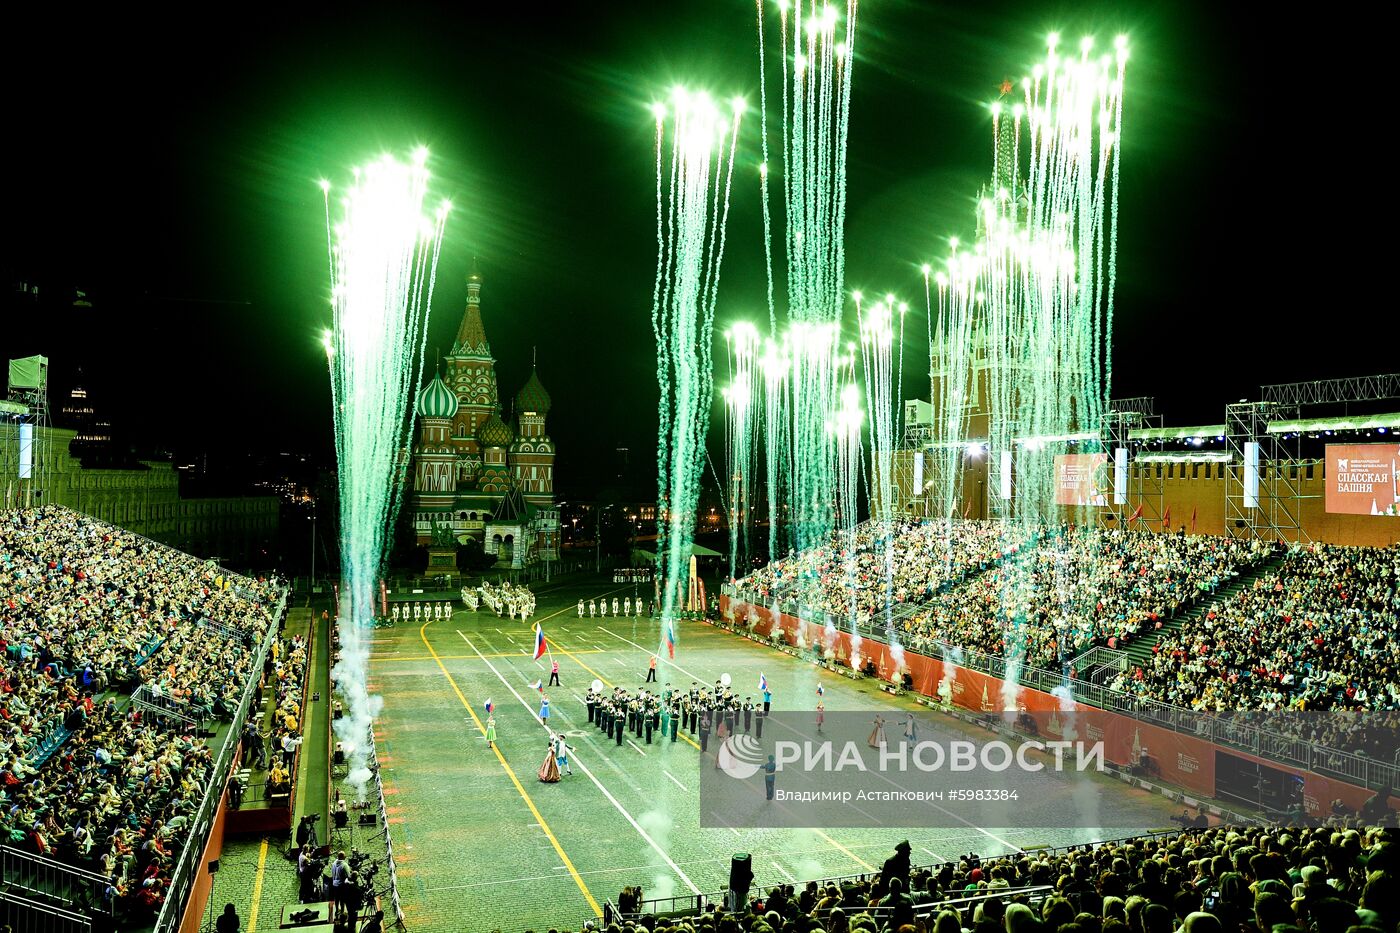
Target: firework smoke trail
775,366
763,173
845,429
1037,289
876,328
383,263
690,251
742,342
815,107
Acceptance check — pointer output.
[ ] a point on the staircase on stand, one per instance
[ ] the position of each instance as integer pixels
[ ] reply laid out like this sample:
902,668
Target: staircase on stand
1139,650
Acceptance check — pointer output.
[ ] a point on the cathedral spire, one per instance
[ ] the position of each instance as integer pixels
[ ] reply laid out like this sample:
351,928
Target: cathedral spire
471,335
1004,123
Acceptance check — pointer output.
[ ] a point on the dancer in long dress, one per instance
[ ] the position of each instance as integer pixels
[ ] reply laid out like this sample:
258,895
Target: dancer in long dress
490,731
561,753
549,771
821,714
877,735
911,730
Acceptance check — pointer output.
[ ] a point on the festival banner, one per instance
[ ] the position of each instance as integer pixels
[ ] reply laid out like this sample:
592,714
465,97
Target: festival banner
1081,479
1362,479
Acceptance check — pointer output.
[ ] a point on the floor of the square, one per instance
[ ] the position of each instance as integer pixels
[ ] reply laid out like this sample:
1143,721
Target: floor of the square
483,845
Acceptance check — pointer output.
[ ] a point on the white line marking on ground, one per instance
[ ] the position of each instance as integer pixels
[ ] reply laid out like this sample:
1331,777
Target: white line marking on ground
636,746
589,772
990,835
784,872
673,779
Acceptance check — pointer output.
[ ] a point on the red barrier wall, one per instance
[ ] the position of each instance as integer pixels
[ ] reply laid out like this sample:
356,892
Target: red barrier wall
199,891
1183,760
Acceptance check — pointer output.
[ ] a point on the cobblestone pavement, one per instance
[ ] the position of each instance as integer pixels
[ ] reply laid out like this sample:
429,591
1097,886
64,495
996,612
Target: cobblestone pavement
483,845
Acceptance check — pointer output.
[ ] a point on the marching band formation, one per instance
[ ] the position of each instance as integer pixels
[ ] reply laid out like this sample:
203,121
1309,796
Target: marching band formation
700,712
504,599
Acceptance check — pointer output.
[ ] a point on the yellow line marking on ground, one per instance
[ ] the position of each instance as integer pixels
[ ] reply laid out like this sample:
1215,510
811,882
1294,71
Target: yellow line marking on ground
257,888
510,772
387,659
847,852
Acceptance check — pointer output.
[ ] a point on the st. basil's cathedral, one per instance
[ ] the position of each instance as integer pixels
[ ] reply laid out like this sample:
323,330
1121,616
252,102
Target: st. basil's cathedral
475,473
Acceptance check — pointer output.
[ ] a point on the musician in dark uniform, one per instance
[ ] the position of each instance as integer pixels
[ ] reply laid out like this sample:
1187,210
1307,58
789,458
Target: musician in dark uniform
704,731
748,714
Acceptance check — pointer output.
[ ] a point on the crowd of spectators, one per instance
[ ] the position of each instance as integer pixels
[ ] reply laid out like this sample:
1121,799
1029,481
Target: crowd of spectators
1002,590
1329,879
1076,589
1317,632
88,614
856,574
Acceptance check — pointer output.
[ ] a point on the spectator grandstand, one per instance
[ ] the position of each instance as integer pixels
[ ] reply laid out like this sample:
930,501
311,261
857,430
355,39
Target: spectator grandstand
117,652
1328,879
847,577
1004,590
1317,632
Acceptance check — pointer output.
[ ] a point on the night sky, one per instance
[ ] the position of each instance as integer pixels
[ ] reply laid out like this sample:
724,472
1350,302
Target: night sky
168,168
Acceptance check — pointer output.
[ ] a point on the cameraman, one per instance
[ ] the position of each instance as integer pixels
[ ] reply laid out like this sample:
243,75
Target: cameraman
309,874
306,831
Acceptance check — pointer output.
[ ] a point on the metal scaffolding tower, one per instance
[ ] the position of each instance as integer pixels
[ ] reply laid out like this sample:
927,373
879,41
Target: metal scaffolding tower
1142,493
1263,480
27,433
1264,483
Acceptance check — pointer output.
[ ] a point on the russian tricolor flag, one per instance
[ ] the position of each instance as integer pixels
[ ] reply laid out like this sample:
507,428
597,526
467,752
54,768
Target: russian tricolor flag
671,638
489,707
540,646
762,681
821,691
